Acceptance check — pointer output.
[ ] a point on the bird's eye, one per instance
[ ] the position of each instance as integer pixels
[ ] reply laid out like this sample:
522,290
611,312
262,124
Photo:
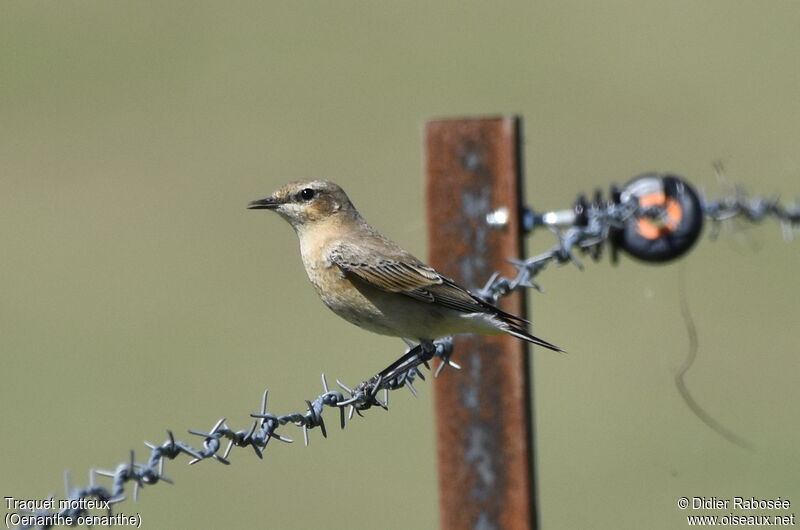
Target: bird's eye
307,194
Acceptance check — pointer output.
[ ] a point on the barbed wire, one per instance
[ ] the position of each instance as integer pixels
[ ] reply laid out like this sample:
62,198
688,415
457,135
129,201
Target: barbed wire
598,220
82,500
754,210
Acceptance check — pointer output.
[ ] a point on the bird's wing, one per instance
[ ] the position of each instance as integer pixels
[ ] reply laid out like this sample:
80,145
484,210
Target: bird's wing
404,274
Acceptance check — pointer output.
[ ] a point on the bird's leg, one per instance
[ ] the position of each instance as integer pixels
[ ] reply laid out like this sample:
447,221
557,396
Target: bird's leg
429,350
409,359
419,354
399,373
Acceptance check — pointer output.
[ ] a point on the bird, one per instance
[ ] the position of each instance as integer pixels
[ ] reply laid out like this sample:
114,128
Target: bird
371,281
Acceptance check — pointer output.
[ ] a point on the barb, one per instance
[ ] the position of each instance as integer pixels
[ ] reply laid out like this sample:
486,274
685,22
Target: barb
586,229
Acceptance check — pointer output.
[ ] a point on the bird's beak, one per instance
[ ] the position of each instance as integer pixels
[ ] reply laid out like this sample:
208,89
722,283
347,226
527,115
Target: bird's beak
264,204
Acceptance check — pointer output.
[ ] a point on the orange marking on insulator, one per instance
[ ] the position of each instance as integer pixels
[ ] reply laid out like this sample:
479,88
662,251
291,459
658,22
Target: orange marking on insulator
653,229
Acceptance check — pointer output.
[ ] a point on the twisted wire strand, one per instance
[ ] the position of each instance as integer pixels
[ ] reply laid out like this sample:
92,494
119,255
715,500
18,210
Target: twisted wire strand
754,210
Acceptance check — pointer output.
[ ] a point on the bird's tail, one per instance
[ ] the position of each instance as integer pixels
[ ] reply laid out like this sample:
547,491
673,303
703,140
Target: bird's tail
524,335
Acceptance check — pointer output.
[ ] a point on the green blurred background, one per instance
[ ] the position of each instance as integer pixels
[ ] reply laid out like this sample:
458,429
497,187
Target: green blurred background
138,294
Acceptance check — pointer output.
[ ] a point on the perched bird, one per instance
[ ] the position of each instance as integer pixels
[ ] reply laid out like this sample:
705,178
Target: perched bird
373,283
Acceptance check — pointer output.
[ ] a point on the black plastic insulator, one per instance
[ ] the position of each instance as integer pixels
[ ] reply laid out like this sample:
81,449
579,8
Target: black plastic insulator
674,231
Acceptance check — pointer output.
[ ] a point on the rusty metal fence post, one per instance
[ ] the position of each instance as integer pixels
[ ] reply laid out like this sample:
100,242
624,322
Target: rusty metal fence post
484,413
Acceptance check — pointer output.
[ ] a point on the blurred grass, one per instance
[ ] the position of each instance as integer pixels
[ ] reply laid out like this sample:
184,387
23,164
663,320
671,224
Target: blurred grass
138,294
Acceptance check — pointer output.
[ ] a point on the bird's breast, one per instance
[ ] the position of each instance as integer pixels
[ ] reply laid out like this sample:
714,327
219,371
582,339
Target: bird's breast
330,282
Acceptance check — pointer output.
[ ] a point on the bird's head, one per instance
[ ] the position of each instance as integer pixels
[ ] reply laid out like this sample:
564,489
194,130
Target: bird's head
306,202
